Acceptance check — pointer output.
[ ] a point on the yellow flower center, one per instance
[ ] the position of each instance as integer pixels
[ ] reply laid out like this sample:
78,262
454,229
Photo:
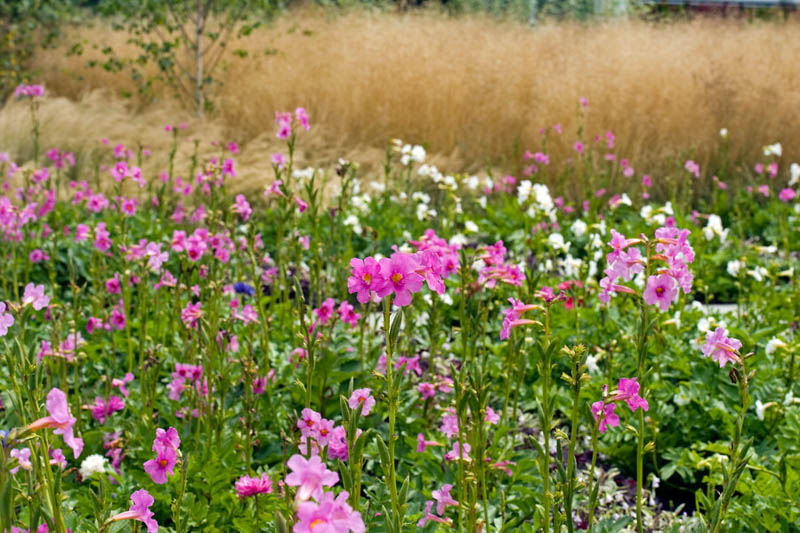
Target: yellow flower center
659,290
163,463
315,523
396,277
367,278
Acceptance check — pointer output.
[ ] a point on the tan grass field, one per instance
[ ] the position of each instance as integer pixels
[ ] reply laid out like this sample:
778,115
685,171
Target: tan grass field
470,89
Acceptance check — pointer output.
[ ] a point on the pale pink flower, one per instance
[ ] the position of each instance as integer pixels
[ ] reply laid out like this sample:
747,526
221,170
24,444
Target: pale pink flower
309,475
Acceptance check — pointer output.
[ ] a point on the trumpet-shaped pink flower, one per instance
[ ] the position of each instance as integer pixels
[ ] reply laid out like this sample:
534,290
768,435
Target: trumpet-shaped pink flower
60,419
721,348
140,510
121,383
422,443
34,296
163,464
250,486
430,516
660,291
309,475
6,320
328,516
363,398
365,277
242,207
628,390
513,317
443,498
608,417
167,439
401,277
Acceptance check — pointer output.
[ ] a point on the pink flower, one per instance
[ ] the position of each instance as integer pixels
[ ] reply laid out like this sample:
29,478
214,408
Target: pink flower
60,419
608,417
325,311
301,205
191,314
242,207
787,195
140,510
422,443
23,457
310,475
163,464
578,147
102,409
6,320
309,422
302,117
365,276
347,314
250,486
443,498
628,390
122,382
449,424
113,286
660,290
692,168
426,390
328,516
275,189
401,278
458,453
430,516
278,160
34,295
513,317
721,348
491,417
363,398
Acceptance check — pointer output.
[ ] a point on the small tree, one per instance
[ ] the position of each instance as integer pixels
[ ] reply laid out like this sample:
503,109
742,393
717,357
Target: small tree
185,39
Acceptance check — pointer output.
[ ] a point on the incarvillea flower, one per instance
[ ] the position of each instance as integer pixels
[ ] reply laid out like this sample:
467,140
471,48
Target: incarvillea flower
662,288
627,391
513,317
60,419
309,476
139,510
166,446
720,347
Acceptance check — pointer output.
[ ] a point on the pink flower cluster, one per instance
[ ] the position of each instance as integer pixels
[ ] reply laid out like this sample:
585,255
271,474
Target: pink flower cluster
627,391
201,242
166,446
285,122
317,433
496,269
318,511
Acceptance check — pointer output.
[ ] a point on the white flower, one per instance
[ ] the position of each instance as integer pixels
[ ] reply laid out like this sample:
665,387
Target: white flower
595,241
524,191
591,364
458,240
723,132
773,149
472,182
446,298
734,267
353,222
421,197
758,273
482,202
578,228
449,183
760,408
556,240
704,324
418,154
570,266
714,227
470,226
378,186
668,209
773,344
788,399
94,464
794,171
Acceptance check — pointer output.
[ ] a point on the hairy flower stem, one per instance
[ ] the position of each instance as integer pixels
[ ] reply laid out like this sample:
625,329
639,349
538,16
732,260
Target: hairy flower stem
545,370
641,346
392,481
576,356
737,462
593,490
